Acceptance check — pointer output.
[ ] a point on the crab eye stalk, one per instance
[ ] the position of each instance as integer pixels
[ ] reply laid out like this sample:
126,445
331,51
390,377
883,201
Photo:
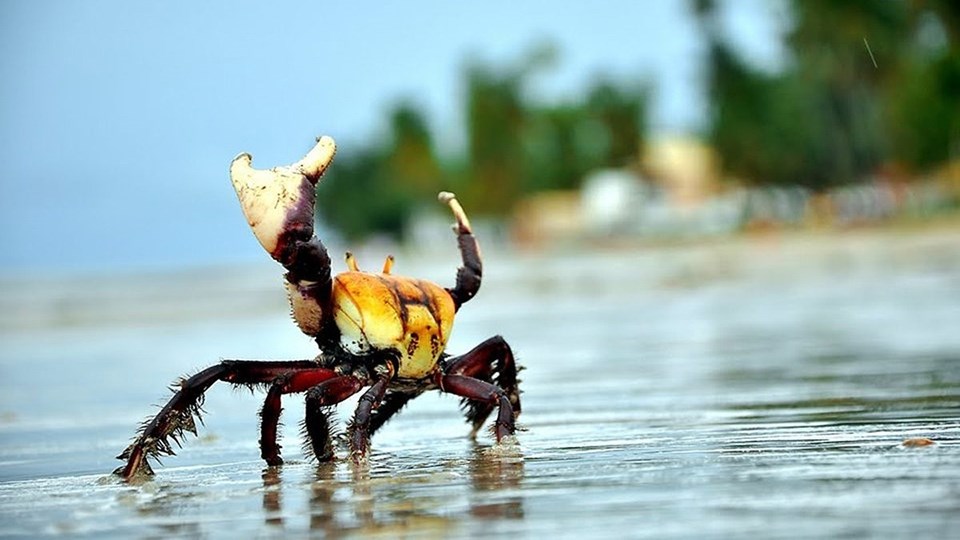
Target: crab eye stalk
351,262
388,264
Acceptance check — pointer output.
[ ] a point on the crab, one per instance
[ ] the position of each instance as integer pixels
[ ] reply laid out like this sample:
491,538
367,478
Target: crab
376,331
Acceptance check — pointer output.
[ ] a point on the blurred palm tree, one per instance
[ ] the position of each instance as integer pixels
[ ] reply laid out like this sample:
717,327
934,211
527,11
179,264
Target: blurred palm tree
860,88
515,146
376,189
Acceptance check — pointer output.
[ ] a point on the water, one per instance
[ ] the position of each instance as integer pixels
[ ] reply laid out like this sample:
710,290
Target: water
744,389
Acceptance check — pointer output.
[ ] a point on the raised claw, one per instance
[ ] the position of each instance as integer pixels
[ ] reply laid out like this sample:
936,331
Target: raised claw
280,200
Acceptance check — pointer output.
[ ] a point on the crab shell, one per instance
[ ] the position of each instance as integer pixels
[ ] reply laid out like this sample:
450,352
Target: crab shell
383,312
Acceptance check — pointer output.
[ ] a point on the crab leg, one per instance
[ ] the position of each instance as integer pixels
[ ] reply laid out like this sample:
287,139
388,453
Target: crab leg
478,390
291,383
469,275
360,427
491,361
180,413
317,420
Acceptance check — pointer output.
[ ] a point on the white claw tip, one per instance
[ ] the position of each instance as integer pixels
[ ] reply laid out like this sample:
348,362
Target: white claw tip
445,197
463,224
318,158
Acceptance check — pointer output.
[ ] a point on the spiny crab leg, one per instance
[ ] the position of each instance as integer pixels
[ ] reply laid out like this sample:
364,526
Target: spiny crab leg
280,200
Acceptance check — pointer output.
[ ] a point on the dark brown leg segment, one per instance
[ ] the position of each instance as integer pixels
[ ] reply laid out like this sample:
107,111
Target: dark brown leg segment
360,427
270,414
478,390
491,361
317,422
470,274
269,418
178,415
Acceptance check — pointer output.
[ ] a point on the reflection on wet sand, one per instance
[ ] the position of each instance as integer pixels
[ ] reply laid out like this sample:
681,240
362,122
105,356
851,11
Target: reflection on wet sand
492,474
271,496
388,502
322,506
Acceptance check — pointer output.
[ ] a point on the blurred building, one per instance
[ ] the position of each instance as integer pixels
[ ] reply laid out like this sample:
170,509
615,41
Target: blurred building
680,195
686,169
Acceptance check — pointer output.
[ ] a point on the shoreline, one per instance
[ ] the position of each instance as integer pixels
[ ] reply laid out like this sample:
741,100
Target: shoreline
251,290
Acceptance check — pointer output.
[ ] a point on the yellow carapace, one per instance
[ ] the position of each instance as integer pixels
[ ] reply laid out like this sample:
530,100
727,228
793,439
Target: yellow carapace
383,312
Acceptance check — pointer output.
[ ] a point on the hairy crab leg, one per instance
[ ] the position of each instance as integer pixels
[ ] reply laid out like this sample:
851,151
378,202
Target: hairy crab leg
178,415
292,383
317,421
360,427
475,389
470,274
278,204
491,361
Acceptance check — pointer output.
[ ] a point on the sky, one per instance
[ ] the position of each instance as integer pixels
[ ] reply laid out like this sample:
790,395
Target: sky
118,119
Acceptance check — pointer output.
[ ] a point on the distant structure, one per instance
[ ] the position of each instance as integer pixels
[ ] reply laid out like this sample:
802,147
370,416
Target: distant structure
681,193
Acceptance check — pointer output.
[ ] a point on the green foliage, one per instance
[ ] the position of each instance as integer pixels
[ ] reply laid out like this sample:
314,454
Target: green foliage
924,121
358,198
515,146
856,93
496,119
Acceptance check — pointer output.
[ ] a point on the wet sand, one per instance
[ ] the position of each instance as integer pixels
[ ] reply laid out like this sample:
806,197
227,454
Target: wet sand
758,387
